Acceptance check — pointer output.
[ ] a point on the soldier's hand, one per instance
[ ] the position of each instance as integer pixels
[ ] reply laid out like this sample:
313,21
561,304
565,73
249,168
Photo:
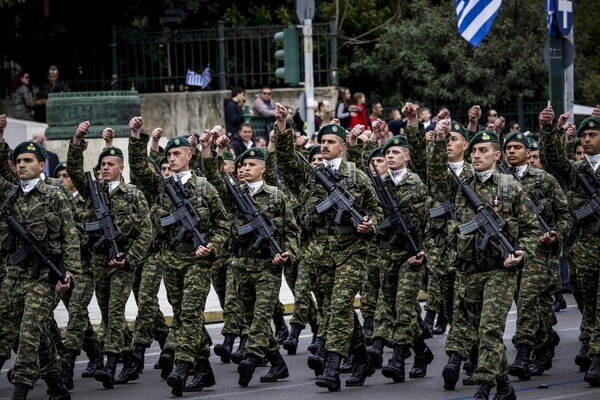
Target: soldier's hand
301,141
156,134
514,259
562,121
281,258
335,121
118,262
108,134
135,125
443,114
280,112
193,141
366,226
204,251
271,145
429,135
63,287
410,112
546,117
81,131
474,114
596,111
549,238
3,122
417,259
571,132
442,129
222,141
499,124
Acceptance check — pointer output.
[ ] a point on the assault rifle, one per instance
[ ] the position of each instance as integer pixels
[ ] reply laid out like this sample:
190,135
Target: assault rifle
185,214
486,220
536,206
104,218
591,185
262,227
31,247
339,198
395,217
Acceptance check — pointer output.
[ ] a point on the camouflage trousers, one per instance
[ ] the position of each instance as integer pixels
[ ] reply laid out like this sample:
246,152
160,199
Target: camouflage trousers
27,307
150,322
301,283
434,301
187,280
396,315
113,287
80,333
259,296
341,326
369,293
585,258
485,299
232,319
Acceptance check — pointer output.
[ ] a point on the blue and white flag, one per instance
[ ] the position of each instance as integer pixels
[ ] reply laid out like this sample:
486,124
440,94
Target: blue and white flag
202,80
475,18
551,16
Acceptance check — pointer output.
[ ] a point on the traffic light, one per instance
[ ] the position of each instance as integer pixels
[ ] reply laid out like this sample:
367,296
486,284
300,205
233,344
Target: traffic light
290,54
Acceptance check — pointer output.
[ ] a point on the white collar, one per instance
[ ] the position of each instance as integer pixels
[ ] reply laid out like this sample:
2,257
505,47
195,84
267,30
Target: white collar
254,186
594,161
26,186
183,177
457,167
521,169
484,175
75,194
334,164
112,185
397,174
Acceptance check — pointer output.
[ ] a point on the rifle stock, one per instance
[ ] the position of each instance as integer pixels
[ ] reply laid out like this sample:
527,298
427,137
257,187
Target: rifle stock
592,189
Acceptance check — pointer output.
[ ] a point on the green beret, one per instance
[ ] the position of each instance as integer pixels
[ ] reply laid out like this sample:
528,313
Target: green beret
228,155
376,152
397,140
592,123
29,147
515,137
252,152
533,144
332,129
97,168
484,136
59,167
459,128
312,150
163,160
576,143
179,141
111,151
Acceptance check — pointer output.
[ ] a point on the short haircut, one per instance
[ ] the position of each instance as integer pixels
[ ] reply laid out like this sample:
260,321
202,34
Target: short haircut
237,90
245,125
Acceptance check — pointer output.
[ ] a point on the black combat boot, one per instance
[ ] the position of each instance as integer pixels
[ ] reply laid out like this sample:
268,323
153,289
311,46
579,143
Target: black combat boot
281,329
106,375
559,302
483,391
57,389
363,367
553,341
330,378
20,391
246,369
177,378
520,367
312,347
440,325
166,361
316,361
347,364
423,357
451,371
161,343
278,370
291,342
368,328
376,352
204,377
583,359
240,353
592,376
67,369
96,362
427,325
395,367
470,367
129,372
224,350
544,357
504,390
138,357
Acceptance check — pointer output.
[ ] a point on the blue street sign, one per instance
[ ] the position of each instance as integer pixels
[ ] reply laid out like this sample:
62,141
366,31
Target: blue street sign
564,16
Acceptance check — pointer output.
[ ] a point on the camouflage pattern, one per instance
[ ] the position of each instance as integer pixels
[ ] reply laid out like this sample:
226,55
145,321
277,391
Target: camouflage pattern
336,249
484,288
534,294
369,293
186,277
583,243
306,310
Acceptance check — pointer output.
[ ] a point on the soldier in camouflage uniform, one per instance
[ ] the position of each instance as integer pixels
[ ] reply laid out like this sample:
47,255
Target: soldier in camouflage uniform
114,278
536,282
29,290
337,248
485,279
583,254
187,270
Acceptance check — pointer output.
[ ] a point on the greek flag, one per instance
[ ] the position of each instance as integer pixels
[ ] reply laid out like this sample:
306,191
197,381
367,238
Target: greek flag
551,16
475,18
202,80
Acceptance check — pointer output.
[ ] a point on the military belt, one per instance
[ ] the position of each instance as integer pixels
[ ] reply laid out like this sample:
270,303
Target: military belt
385,244
241,252
184,248
338,230
586,230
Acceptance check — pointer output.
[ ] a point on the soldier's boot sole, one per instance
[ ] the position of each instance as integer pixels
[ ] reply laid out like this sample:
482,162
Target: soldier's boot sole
450,375
393,373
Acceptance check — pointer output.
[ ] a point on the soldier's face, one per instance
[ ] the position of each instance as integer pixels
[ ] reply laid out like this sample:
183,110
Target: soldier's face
332,147
65,179
228,166
396,157
165,170
579,153
534,159
28,166
516,153
179,158
380,164
111,168
316,159
456,147
484,157
253,169
240,174
590,140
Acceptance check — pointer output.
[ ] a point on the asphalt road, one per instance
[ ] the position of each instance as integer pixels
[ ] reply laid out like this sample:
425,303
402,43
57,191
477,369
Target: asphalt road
563,381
